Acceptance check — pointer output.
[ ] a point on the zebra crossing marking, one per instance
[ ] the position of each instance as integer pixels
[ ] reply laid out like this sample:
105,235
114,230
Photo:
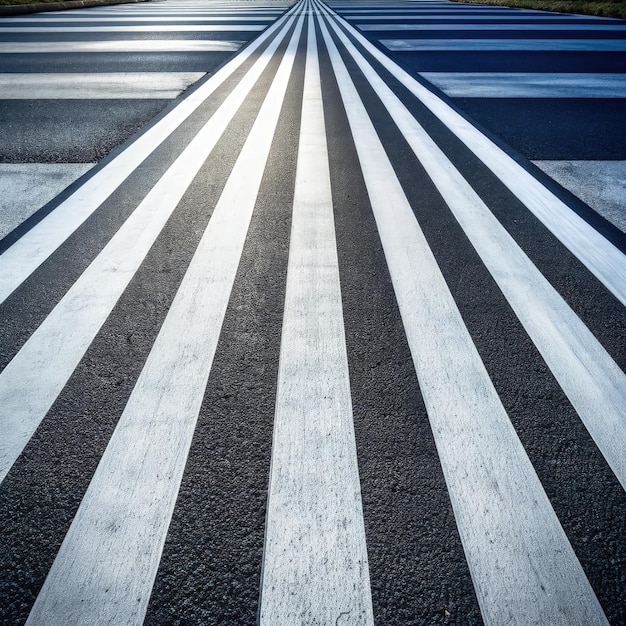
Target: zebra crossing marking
106,566
523,566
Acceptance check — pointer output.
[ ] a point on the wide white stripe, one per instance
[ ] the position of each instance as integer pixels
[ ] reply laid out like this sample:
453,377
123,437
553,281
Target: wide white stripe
528,85
503,45
523,567
105,568
117,85
81,20
315,565
33,379
139,28
594,251
592,381
125,45
601,184
26,187
515,27
25,256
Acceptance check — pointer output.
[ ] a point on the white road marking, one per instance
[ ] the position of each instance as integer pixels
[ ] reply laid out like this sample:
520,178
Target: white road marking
26,187
523,567
315,565
140,28
528,85
36,375
592,381
505,45
601,184
514,27
127,45
118,85
603,259
105,568
32,249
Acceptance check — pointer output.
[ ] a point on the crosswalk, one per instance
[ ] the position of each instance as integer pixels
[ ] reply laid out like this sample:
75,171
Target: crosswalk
312,349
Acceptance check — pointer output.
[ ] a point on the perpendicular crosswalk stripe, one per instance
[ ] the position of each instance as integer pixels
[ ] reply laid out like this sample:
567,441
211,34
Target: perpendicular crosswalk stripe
123,45
523,566
603,259
106,566
315,567
133,28
19,261
86,305
593,382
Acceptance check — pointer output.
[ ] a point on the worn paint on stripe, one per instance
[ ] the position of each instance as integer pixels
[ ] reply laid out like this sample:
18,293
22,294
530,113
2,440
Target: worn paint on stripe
32,249
46,361
528,85
522,564
106,566
118,85
603,259
315,565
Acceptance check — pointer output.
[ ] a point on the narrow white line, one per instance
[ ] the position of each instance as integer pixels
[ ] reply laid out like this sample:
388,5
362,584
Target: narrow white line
523,567
36,375
514,27
137,28
315,564
502,45
528,85
124,45
96,85
105,568
593,382
26,255
604,260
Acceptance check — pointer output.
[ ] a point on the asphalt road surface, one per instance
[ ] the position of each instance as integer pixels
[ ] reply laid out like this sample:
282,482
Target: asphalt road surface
328,326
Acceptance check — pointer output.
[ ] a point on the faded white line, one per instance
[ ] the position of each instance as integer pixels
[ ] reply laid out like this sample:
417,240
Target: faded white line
127,45
504,45
315,564
528,85
593,382
96,86
523,566
25,256
105,568
603,259
33,379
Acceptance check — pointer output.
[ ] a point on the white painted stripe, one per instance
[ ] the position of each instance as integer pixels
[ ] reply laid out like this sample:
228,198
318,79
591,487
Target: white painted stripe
117,85
470,19
504,45
127,45
592,381
315,565
142,28
104,577
26,187
514,27
604,260
601,184
523,567
528,85
80,21
47,360
25,256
